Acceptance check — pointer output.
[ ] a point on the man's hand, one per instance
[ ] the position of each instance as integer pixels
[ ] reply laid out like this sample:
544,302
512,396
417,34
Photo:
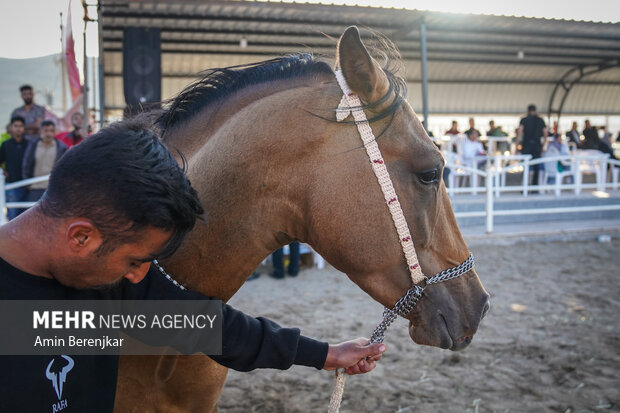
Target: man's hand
356,356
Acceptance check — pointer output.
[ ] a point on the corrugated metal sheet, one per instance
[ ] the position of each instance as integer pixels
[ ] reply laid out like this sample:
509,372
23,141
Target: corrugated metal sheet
473,65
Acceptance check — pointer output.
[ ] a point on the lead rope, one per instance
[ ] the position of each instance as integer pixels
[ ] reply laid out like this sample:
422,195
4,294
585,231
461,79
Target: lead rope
351,104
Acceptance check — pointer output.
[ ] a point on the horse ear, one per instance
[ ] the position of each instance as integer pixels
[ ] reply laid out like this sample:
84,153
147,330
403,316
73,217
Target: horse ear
363,74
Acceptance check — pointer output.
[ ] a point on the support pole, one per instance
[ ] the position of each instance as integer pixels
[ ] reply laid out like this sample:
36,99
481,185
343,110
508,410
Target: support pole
85,85
424,74
101,83
489,200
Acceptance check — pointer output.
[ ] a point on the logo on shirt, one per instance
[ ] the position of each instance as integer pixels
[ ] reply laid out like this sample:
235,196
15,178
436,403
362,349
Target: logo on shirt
59,378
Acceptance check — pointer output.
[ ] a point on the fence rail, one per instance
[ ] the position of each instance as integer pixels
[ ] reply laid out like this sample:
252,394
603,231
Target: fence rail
494,185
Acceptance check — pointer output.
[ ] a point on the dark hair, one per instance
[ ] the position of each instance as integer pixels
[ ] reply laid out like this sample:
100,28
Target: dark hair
123,179
18,119
47,123
25,87
531,108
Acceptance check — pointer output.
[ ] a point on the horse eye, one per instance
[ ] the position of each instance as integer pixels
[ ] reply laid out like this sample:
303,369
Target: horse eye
429,177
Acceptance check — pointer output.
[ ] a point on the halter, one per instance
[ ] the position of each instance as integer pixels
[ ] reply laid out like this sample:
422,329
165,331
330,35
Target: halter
350,104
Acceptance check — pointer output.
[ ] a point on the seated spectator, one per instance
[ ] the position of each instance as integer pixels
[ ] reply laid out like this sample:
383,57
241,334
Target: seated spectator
454,130
11,155
592,141
472,147
75,136
41,155
556,148
573,134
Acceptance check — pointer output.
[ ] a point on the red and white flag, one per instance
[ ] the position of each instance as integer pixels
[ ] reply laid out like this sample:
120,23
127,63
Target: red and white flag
72,70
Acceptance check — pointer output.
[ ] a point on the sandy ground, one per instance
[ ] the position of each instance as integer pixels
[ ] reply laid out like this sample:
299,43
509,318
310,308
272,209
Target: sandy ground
549,344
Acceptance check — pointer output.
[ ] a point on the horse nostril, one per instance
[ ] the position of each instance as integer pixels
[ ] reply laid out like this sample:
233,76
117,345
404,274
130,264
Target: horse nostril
485,310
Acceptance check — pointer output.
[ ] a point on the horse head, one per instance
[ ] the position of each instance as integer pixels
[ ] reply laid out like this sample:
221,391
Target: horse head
274,161
361,239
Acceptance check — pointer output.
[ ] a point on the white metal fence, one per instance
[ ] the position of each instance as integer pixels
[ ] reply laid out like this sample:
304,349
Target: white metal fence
496,168
5,187
494,175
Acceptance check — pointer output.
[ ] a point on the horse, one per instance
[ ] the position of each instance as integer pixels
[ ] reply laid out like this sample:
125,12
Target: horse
271,165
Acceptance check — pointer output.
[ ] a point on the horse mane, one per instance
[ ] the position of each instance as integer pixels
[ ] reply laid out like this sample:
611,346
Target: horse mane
218,83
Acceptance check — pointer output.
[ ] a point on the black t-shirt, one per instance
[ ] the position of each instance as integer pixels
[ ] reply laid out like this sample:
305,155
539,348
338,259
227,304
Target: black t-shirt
532,132
12,154
32,384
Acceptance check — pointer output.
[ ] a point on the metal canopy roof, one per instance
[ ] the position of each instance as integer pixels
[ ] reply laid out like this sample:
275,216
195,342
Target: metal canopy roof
473,59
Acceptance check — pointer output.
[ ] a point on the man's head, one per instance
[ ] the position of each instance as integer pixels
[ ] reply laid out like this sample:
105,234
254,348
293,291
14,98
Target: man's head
120,200
77,119
588,125
492,124
27,94
531,109
471,122
17,127
473,135
574,126
48,129
454,123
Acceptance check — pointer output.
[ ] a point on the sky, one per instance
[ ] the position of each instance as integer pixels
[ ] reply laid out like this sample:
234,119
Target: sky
33,25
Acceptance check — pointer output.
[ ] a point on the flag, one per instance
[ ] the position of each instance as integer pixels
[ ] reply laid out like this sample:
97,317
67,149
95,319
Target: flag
72,70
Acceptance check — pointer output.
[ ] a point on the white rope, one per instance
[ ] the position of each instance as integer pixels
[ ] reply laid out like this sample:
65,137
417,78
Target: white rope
351,104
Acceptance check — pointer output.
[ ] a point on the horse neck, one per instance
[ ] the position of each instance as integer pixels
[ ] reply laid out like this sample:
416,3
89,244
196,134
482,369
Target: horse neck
248,175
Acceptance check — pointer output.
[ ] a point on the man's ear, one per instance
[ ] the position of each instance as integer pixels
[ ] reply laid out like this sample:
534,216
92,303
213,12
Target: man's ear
83,237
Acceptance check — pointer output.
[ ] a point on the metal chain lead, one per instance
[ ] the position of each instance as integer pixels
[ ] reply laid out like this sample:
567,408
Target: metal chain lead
406,303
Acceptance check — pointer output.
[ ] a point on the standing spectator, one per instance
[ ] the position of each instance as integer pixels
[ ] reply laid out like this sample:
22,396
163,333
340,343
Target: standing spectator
278,261
472,127
75,136
12,155
573,134
492,129
532,128
32,113
454,130
41,155
590,134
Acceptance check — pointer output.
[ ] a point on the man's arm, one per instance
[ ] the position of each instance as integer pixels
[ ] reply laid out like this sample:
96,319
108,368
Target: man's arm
249,343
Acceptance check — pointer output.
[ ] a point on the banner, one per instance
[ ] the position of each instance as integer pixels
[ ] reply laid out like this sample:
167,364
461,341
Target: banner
72,70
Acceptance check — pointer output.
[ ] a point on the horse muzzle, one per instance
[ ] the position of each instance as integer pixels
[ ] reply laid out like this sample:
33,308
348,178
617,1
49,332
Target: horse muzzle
448,315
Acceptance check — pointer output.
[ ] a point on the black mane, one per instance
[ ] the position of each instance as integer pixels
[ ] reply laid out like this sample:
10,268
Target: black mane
219,83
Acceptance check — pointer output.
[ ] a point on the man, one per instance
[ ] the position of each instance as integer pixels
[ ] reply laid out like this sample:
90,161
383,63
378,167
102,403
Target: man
590,134
41,155
75,136
573,134
592,141
472,127
454,129
32,113
102,227
532,128
12,155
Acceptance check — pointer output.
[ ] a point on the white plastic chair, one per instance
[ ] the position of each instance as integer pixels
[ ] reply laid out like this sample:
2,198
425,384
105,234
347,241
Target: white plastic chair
594,164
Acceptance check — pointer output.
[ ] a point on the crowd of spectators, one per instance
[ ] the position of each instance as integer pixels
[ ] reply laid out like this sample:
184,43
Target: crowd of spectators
533,137
31,146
